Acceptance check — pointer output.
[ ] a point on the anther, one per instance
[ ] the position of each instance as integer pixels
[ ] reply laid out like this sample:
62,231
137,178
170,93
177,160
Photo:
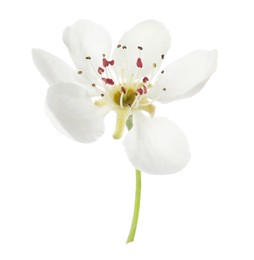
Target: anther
103,55
108,81
100,70
123,90
139,63
145,79
102,95
140,91
119,46
94,85
162,56
145,89
124,47
154,65
88,58
162,71
79,72
140,48
104,62
164,89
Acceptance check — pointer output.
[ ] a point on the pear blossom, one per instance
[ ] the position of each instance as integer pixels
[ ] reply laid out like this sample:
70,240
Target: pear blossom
129,82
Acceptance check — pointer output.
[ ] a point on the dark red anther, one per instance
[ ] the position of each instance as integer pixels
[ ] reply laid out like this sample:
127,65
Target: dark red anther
139,63
145,79
145,89
104,62
100,70
108,81
123,90
111,62
140,91
104,80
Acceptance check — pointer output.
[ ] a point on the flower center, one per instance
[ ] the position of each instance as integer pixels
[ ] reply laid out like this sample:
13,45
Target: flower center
126,98
121,93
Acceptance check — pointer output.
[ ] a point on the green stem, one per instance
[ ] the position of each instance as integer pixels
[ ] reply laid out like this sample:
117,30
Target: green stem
136,208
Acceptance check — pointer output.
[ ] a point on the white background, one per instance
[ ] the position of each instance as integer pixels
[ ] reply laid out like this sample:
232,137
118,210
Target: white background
63,200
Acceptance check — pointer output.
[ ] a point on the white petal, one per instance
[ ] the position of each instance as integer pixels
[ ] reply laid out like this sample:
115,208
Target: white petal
51,67
87,39
185,77
74,111
55,70
150,35
156,145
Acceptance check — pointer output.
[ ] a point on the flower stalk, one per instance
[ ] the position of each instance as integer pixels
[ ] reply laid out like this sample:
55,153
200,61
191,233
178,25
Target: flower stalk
134,222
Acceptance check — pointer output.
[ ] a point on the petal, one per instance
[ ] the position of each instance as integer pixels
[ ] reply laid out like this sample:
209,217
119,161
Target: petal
156,145
73,110
55,70
149,41
52,68
85,40
185,77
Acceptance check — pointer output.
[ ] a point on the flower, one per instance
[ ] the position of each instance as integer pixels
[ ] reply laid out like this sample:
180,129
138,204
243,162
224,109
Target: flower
128,83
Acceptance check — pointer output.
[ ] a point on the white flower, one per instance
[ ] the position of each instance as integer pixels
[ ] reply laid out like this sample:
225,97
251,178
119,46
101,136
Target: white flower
128,83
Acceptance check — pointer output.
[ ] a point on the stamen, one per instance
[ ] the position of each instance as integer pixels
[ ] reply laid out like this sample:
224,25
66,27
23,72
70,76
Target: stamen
123,90
108,81
104,62
162,56
111,62
88,58
119,46
94,85
124,47
140,48
154,65
102,95
79,72
140,91
134,104
103,55
162,71
164,89
145,89
145,79
139,63
100,70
